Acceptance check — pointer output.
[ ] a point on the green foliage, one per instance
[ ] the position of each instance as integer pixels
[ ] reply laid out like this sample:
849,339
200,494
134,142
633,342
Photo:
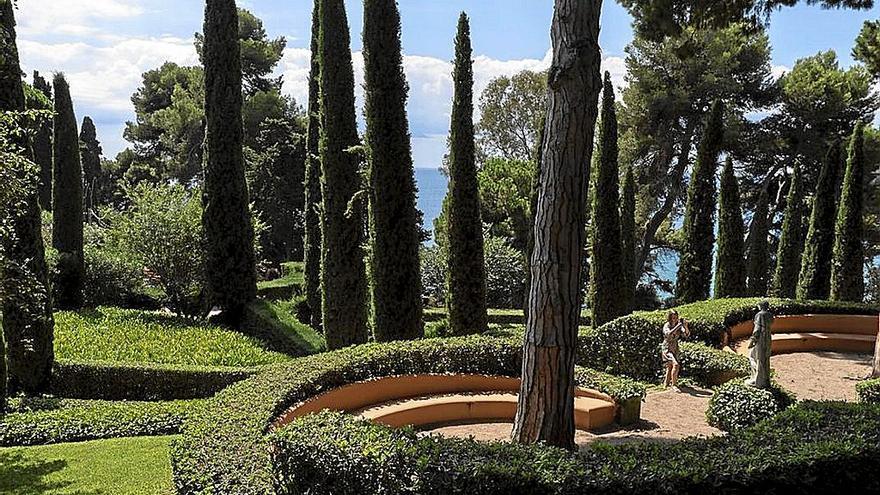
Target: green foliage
814,281
607,278
433,270
867,48
869,391
123,466
289,284
67,227
229,233
224,449
695,265
312,255
42,141
730,278
505,189
512,110
113,277
41,421
848,258
736,406
276,326
628,239
133,336
758,256
788,256
814,447
466,275
505,275
93,177
394,229
711,366
343,273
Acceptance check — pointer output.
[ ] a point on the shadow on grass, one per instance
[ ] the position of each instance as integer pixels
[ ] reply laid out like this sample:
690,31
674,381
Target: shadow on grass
20,475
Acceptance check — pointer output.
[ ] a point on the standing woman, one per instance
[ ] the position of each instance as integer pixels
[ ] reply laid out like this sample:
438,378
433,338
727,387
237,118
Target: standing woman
674,328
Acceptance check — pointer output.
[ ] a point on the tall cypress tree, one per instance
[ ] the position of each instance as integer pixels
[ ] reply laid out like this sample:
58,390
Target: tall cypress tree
758,257
313,180
90,150
343,273
607,276
730,274
628,239
466,300
67,218
42,144
814,281
27,310
791,241
847,264
230,265
394,233
695,265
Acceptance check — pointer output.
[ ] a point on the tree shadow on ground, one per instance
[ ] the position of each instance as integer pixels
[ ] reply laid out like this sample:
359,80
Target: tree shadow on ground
21,475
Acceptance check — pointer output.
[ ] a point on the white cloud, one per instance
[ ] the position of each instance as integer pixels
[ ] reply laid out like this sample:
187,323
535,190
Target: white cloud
778,71
70,17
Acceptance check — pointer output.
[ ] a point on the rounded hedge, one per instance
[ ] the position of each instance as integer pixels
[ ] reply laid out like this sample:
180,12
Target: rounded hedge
869,391
735,405
224,449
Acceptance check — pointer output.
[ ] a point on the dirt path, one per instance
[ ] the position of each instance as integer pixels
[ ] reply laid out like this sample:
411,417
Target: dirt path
821,375
667,416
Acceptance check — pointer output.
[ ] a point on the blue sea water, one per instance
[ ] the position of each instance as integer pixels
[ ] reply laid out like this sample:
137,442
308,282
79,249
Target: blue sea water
432,189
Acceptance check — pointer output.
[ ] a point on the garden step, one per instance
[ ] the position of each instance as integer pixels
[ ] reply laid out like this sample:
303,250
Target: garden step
784,343
487,407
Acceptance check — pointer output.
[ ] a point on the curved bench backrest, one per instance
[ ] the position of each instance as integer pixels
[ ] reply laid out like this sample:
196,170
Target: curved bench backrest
851,324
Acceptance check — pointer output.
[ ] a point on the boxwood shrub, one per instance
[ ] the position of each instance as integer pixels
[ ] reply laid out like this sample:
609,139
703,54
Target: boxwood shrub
810,448
48,420
735,406
223,447
869,391
629,345
113,381
710,366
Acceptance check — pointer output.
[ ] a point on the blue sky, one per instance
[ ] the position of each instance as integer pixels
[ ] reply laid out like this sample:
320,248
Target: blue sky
104,46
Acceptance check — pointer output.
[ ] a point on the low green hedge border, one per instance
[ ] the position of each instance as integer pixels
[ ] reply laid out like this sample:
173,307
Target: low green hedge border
709,366
869,391
736,406
810,448
629,345
498,316
47,420
144,382
223,448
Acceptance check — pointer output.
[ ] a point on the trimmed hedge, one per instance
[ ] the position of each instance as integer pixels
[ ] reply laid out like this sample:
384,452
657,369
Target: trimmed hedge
869,391
223,448
290,284
113,381
810,448
499,316
710,366
629,345
735,405
47,420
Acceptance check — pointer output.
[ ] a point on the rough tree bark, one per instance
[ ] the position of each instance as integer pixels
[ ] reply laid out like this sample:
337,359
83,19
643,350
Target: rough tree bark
545,411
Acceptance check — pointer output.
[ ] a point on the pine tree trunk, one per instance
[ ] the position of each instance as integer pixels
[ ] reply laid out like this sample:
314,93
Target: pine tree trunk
545,411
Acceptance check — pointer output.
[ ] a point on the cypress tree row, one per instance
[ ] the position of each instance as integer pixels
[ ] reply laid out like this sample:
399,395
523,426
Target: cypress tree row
42,145
695,265
90,150
628,239
847,264
730,275
607,277
343,273
814,281
28,323
395,270
313,181
67,218
788,256
758,257
230,265
466,276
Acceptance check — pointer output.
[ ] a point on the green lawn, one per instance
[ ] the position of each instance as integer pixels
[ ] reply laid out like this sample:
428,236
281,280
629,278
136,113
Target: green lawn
293,274
122,466
134,336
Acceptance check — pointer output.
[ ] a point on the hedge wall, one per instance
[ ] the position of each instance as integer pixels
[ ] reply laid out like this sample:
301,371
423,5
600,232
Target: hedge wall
810,448
44,421
115,381
629,345
869,391
224,449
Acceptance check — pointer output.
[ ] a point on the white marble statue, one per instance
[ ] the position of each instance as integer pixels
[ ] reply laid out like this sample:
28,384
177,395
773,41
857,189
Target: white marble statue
760,347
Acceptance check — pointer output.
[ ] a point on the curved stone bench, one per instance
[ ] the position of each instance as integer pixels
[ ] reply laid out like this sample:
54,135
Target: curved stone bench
422,400
808,333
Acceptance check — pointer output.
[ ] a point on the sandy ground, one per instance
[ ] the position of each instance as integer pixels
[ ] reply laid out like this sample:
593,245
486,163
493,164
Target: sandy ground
667,415
821,375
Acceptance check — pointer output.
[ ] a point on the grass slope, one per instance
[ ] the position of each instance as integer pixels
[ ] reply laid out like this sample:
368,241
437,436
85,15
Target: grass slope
124,466
133,336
